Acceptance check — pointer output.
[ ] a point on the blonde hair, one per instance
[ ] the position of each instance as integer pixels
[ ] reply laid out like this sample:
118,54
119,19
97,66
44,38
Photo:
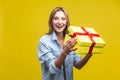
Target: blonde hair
51,17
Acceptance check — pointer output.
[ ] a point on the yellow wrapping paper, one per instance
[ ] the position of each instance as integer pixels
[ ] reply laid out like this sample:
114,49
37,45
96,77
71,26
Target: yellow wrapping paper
83,41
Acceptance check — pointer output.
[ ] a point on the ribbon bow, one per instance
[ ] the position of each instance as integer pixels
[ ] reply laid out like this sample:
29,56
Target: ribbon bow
90,35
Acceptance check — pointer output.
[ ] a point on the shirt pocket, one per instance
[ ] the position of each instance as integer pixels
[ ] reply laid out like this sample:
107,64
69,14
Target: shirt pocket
71,57
69,60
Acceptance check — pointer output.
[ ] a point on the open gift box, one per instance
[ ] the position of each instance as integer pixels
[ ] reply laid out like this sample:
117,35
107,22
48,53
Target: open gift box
88,40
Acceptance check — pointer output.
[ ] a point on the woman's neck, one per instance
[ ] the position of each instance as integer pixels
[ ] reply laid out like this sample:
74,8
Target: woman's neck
60,38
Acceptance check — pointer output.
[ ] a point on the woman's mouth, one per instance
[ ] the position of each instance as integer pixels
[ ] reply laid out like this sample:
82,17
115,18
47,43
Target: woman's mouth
59,26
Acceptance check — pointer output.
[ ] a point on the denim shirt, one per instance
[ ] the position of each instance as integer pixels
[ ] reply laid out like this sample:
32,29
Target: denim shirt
48,51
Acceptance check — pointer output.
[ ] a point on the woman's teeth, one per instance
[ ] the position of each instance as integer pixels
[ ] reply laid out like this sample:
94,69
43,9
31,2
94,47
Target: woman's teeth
59,26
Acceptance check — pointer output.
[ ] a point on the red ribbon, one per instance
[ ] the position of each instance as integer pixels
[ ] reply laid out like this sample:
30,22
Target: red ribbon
90,35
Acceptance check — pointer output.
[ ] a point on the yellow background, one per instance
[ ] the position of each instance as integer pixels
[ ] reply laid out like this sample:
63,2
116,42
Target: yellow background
23,22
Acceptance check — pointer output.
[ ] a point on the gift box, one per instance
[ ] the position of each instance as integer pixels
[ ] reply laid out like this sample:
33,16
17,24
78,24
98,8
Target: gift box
88,40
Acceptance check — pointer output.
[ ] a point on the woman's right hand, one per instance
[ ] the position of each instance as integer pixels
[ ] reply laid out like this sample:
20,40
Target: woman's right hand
69,46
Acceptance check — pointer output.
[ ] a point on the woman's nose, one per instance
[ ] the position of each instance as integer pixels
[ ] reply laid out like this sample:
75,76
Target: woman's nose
59,21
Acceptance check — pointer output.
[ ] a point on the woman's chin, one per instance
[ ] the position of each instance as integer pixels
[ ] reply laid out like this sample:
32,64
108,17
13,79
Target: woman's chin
59,31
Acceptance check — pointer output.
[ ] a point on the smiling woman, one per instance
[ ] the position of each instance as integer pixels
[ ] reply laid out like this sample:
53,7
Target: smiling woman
57,59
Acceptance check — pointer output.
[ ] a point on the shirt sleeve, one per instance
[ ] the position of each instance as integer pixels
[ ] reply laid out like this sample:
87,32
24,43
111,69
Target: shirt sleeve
47,58
77,57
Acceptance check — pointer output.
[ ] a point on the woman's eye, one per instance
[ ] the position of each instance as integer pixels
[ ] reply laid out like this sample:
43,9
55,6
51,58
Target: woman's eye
55,18
63,18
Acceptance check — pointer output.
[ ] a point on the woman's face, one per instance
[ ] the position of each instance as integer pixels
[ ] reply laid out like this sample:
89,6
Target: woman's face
59,21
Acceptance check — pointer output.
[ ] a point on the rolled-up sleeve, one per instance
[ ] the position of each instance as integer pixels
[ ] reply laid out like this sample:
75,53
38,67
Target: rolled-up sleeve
76,59
47,58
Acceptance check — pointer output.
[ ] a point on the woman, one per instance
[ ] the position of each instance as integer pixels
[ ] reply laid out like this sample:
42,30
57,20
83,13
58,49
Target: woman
58,58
